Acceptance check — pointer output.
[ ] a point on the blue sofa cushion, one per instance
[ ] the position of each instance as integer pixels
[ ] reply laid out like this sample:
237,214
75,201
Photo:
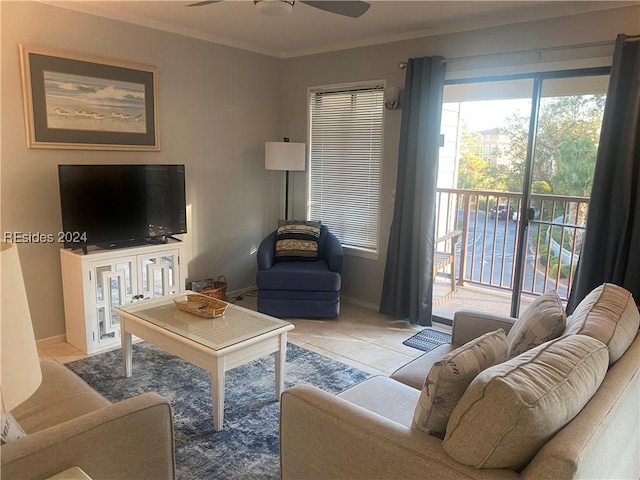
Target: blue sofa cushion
294,308
311,276
297,240
304,295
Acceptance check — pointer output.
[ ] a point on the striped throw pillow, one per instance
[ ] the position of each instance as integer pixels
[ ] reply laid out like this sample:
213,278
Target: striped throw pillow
297,240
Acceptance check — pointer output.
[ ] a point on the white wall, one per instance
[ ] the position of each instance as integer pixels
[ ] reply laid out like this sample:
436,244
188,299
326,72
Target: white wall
362,278
213,116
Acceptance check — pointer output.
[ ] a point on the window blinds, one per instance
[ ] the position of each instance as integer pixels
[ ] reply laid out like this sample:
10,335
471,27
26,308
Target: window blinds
345,159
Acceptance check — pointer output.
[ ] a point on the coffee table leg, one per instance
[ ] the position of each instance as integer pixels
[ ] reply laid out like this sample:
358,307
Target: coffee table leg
125,340
281,360
217,393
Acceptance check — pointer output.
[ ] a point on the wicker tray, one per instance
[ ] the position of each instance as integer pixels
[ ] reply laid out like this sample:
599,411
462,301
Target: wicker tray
201,305
218,290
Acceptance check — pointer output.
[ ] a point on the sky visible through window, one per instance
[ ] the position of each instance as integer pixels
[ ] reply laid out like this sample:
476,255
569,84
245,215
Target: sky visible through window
487,114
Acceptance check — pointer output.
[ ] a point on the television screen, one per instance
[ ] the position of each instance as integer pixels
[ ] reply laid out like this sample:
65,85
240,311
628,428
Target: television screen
119,205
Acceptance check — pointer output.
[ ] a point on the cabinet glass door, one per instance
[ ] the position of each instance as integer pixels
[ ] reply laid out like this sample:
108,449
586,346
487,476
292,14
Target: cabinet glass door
158,274
113,287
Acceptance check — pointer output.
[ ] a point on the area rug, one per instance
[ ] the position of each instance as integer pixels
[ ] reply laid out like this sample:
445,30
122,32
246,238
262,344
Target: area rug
247,447
428,339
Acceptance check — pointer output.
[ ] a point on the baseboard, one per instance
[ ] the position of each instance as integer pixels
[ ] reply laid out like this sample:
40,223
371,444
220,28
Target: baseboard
353,301
360,303
242,291
442,320
343,298
47,342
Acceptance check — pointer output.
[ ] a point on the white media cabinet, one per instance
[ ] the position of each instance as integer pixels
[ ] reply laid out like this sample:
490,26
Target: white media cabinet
95,282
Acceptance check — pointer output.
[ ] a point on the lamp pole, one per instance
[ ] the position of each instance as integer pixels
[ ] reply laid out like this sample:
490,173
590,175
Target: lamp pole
286,191
286,196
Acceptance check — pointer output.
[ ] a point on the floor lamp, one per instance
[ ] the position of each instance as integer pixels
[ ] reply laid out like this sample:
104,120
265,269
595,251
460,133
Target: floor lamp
20,370
285,156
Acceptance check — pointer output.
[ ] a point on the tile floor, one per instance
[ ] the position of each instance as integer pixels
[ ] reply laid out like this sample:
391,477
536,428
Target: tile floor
359,337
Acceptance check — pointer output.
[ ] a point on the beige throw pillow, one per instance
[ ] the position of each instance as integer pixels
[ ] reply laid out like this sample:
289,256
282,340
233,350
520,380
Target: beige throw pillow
451,375
543,320
609,314
511,410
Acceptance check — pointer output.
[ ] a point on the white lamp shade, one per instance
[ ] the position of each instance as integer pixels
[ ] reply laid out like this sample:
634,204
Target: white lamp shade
284,156
20,372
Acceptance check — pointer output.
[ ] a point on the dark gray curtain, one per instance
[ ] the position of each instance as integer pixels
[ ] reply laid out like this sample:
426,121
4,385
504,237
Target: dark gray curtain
611,248
408,284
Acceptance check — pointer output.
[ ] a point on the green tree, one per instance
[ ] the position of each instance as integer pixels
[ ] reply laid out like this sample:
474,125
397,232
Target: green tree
540,186
575,166
567,139
472,168
474,171
516,131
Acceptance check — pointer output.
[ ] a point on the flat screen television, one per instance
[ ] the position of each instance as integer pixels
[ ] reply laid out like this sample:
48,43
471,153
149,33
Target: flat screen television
114,206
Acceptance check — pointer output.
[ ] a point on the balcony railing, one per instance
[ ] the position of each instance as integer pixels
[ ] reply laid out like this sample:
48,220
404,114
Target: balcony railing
490,222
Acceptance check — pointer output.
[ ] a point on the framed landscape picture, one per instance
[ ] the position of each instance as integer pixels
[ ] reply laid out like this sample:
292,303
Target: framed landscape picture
76,101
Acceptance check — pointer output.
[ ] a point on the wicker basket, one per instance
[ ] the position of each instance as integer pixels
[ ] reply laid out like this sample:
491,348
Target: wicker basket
201,305
219,289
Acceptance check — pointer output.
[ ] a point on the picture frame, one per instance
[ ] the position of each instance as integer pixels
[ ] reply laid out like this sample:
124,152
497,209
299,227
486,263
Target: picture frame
76,101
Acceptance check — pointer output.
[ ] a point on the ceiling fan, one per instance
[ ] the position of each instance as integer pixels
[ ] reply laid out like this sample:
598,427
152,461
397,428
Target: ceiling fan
353,9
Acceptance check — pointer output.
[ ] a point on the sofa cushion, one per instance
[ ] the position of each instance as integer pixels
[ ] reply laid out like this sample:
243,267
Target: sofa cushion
11,429
299,276
543,320
511,410
297,240
385,397
449,377
62,396
609,314
415,372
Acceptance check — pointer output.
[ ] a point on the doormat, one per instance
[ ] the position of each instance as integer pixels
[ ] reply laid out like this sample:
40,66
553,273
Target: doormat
428,339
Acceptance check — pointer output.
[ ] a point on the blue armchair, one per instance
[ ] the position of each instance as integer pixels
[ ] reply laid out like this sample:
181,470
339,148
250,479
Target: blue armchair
295,288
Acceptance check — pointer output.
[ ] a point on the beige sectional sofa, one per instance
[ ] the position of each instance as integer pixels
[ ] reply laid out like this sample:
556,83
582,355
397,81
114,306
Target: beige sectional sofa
69,424
369,431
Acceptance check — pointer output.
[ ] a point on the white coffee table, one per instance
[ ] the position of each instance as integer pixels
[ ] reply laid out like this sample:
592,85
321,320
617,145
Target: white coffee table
216,345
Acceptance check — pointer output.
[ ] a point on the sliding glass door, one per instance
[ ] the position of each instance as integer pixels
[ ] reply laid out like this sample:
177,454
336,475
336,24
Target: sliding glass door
564,156
514,176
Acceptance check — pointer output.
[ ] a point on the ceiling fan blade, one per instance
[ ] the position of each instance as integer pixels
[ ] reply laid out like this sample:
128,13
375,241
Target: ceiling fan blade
202,4
346,8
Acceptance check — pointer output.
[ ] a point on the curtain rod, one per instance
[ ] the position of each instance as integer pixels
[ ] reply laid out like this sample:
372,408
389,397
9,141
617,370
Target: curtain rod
402,65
